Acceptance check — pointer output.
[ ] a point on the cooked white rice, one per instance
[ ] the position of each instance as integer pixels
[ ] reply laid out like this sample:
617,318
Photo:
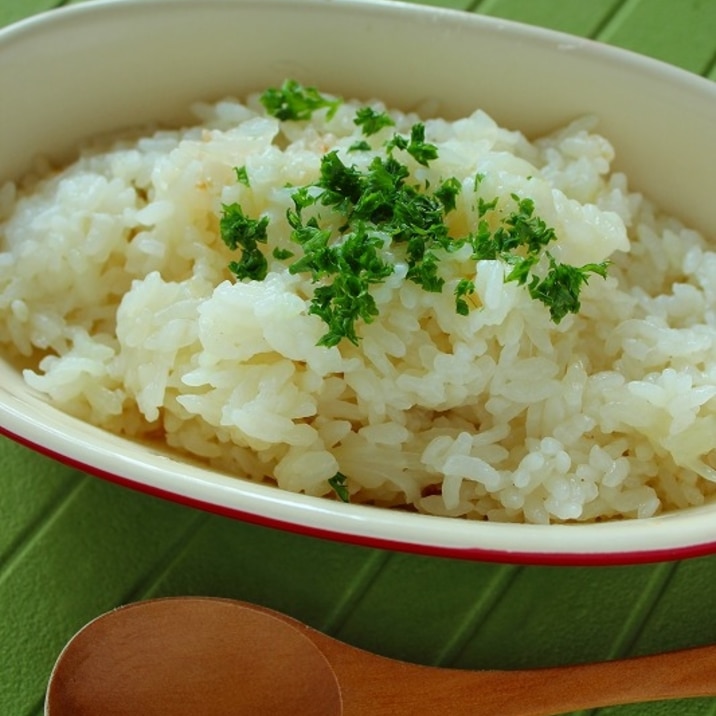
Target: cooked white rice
114,281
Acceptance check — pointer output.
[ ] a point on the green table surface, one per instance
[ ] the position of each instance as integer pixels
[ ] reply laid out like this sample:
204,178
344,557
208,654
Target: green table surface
74,546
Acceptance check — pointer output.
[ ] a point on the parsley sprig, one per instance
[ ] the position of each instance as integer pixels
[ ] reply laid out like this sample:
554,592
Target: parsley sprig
240,231
520,241
293,101
338,485
559,290
379,207
347,268
416,146
371,121
373,204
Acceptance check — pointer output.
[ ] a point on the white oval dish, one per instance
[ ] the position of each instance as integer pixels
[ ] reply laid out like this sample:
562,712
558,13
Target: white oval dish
104,66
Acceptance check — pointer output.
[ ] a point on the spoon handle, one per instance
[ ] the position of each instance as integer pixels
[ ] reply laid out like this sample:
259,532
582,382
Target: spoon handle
382,686
539,692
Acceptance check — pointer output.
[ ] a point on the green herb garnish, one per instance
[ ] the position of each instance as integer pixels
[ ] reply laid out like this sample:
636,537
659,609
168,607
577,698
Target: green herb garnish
371,122
242,176
338,483
352,265
559,289
293,101
360,146
520,241
282,254
345,250
447,193
239,231
464,287
416,146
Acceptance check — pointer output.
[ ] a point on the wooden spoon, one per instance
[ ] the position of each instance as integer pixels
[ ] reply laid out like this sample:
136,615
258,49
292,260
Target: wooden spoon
193,655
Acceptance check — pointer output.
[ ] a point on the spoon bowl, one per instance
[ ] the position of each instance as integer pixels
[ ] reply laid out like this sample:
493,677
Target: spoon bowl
189,655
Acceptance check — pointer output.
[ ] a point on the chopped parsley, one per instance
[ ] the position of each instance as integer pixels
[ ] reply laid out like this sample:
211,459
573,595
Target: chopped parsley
352,225
447,193
416,146
360,146
520,242
464,288
371,122
338,484
282,254
239,231
242,176
293,101
559,289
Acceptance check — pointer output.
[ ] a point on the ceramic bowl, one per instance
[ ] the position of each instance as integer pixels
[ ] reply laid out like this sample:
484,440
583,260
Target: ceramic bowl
103,66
